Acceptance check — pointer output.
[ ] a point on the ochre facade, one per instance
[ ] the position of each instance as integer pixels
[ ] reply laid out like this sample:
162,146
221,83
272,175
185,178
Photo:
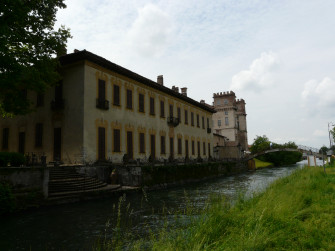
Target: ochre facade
101,111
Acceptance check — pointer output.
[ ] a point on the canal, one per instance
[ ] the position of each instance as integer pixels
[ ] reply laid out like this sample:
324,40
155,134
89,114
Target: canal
77,226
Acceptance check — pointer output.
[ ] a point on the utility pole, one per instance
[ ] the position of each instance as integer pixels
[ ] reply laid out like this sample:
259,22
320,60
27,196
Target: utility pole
330,141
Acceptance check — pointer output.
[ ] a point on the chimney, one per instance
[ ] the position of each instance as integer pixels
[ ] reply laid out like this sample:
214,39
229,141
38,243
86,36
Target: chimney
184,91
175,88
202,101
160,80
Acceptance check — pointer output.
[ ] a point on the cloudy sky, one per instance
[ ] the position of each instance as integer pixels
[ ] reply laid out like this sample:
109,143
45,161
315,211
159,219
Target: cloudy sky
278,55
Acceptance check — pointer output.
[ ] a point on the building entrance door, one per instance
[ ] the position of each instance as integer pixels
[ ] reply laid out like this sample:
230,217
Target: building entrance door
152,146
22,142
171,148
57,143
101,143
130,145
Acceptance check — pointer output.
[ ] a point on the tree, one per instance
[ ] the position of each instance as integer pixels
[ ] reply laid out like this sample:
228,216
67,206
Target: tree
261,143
323,150
28,46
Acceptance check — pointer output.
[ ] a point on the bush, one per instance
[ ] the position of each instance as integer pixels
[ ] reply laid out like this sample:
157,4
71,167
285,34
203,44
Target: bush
282,158
12,158
7,200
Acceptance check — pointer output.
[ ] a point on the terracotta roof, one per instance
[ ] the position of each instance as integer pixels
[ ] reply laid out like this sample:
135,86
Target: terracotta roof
86,55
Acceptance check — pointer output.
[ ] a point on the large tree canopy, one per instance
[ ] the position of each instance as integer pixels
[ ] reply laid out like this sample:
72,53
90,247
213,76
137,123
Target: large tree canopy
28,48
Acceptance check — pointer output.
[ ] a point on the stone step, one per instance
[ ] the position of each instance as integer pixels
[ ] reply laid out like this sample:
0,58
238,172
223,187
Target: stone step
64,180
74,194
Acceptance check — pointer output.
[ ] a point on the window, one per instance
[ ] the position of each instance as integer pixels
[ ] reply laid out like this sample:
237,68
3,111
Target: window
198,148
209,149
116,140
171,110
5,137
204,148
207,122
40,99
225,102
226,113
162,109
192,119
152,106
179,146
226,121
142,143
218,102
140,102
162,144
192,147
102,89
129,99
59,91
116,95
186,117
203,122
178,114
38,135
219,122
198,121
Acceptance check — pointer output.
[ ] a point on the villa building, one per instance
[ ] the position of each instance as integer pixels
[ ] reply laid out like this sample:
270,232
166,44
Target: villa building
102,111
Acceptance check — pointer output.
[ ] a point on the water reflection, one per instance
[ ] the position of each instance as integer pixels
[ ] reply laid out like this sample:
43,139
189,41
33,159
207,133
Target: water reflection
77,226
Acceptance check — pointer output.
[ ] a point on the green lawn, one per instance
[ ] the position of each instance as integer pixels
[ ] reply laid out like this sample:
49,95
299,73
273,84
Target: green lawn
262,164
295,213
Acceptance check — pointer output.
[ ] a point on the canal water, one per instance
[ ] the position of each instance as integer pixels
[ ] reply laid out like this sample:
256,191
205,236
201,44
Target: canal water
77,226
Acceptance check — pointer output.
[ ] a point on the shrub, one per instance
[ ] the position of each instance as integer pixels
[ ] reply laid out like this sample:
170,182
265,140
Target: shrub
12,158
7,200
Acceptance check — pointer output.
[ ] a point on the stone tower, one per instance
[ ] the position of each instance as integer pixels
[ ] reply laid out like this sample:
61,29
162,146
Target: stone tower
230,119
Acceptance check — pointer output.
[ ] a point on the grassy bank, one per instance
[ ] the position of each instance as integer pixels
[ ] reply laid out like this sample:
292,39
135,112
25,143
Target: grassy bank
294,213
262,164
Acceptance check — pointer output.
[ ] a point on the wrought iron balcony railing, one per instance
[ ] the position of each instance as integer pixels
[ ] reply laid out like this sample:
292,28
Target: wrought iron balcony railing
57,104
172,121
102,104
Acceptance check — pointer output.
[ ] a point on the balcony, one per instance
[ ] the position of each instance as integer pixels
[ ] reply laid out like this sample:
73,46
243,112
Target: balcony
57,104
209,130
172,121
102,104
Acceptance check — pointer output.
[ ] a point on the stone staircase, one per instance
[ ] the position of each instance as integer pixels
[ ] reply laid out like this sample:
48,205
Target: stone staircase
65,182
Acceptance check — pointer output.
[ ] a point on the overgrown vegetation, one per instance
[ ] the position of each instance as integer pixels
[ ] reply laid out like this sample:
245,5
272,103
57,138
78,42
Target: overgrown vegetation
11,158
294,213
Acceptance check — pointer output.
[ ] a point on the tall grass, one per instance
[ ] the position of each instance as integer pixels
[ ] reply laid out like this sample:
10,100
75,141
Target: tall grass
294,213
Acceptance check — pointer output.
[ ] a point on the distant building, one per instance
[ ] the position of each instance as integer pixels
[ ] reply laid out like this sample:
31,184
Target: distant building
102,111
230,120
